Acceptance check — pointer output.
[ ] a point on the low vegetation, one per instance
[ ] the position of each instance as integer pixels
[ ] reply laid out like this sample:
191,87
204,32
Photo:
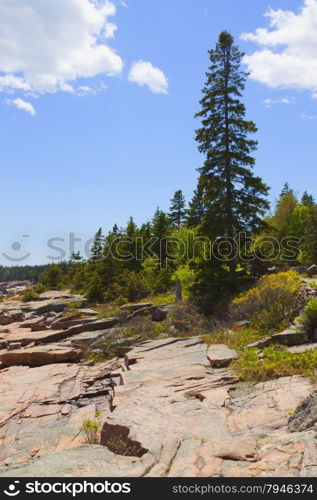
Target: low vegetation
236,338
275,362
309,319
91,428
271,303
29,294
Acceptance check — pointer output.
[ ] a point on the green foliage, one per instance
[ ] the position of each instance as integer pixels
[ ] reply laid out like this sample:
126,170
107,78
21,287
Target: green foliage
276,362
29,294
97,246
308,200
23,273
52,278
125,447
234,197
177,208
197,208
236,338
281,220
310,317
91,430
272,302
309,245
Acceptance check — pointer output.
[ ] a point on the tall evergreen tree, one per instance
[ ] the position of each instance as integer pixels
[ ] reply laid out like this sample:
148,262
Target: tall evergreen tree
161,224
309,245
177,208
97,246
286,189
308,200
196,210
235,198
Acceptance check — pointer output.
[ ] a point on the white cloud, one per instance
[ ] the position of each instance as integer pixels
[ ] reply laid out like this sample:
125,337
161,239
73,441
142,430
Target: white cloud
308,117
144,73
25,106
288,49
46,45
269,102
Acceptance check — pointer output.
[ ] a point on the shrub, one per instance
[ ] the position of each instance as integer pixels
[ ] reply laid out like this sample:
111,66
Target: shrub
120,301
29,294
91,429
238,339
272,302
126,448
310,317
276,362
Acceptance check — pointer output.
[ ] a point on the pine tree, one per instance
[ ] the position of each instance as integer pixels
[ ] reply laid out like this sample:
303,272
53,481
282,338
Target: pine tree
309,245
97,246
196,210
160,229
308,200
235,198
177,208
286,189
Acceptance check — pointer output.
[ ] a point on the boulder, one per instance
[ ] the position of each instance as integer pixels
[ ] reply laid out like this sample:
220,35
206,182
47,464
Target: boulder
65,323
159,314
290,337
312,270
219,355
40,355
298,349
100,324
135,307
14,345
34,322
11,316
243,323
305,416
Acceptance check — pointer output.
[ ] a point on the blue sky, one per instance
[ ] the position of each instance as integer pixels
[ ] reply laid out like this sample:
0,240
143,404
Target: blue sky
74,162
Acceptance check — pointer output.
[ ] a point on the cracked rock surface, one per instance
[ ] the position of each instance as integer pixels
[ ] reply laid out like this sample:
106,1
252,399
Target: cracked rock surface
169,407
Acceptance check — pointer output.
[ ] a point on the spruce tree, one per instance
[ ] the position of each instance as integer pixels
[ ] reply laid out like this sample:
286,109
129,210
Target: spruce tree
97,246
161,224
177,208
309,245
234,196
286,189
308,200
196,210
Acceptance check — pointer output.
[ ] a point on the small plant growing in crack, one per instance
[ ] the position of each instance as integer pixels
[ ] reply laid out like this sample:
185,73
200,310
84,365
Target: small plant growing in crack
91,429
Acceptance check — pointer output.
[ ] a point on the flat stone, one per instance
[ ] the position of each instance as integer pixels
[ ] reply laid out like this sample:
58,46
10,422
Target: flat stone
83,461
302,348
312,270
219,355
135,307
289,337
40,355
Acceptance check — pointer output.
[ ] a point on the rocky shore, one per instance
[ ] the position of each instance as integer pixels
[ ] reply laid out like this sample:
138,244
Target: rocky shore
167,407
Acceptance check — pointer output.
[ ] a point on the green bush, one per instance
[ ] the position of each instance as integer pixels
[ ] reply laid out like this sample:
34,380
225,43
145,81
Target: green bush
276,362
29,294
91,429
238,339
272,303
121,301
310,317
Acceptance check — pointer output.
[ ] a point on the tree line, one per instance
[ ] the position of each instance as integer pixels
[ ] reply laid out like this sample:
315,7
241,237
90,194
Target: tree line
229,204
